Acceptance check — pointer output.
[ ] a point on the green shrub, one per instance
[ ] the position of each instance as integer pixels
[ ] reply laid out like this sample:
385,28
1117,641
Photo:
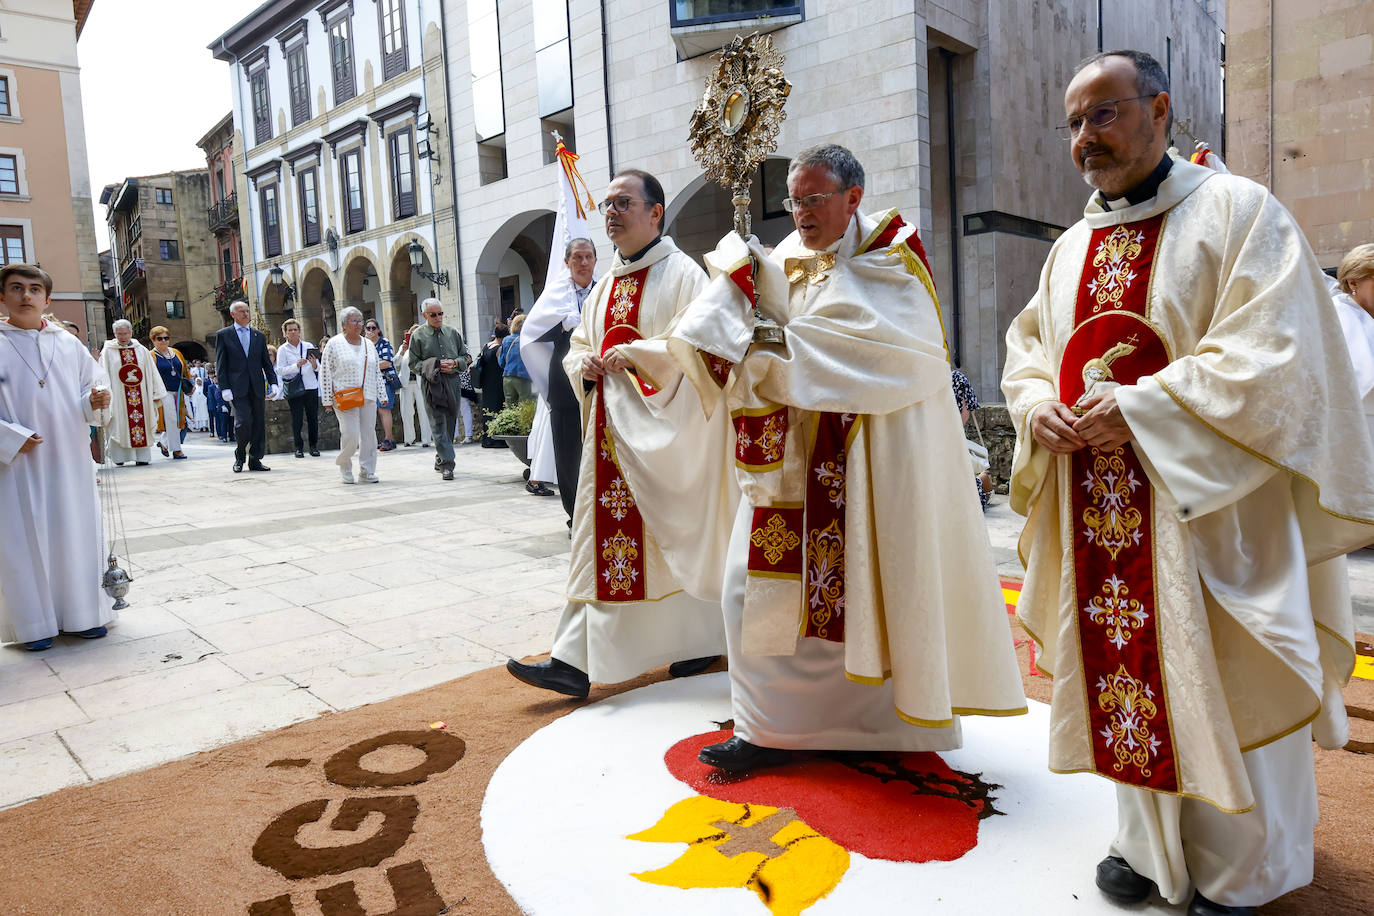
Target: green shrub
515,420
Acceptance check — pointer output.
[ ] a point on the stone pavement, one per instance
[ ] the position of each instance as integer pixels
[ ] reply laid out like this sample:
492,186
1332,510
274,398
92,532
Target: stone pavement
265,599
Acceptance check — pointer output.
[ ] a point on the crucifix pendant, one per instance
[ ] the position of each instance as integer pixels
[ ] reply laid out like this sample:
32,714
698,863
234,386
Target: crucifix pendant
42,383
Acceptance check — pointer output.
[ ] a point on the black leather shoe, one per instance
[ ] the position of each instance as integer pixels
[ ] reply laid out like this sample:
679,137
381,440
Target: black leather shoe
538,489
300,453
257,466
448,475
314,453
1201,906
238,465
1119,881
551,675
691,666
735,755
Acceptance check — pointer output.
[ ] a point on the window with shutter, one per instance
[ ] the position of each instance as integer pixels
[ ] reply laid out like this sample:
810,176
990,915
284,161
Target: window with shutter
341,59
351,165
392,26
12,239
308,194
402,144
262,107
271,221
298,79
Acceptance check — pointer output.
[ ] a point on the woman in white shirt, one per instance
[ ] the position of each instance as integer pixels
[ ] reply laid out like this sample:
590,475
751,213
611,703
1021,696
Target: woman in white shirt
350,361
412,398
295,361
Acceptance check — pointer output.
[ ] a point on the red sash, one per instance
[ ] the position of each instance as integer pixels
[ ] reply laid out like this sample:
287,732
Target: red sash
131,377
618,525
1113,502
804,542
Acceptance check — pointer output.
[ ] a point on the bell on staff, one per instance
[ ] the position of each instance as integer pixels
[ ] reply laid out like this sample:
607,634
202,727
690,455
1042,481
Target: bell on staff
116,584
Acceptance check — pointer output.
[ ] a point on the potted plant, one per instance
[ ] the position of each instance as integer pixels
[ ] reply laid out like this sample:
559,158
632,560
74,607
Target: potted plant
512,426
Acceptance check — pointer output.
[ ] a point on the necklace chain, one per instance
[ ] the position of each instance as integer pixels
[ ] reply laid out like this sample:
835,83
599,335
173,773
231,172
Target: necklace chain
42,379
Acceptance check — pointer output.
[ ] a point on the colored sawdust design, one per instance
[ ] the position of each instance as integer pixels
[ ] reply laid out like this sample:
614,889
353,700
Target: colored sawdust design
768,850
901,807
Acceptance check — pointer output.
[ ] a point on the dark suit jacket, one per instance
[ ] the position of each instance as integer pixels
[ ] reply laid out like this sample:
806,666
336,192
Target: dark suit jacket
244,374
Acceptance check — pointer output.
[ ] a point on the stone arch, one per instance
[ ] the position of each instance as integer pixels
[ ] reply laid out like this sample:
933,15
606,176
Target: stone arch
406,288
315,299
524,235
702,212
362,281
272,304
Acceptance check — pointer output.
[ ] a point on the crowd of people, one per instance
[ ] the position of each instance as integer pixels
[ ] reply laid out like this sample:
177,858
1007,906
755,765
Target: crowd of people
767,461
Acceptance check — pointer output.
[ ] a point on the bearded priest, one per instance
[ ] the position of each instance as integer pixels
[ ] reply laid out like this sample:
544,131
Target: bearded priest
1193,468
138,390
862,610
629,608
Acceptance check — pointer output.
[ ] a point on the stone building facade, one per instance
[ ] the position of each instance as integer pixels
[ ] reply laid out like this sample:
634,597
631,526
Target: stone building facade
1300,112
222,216
950,105
338,117
45,185
163,257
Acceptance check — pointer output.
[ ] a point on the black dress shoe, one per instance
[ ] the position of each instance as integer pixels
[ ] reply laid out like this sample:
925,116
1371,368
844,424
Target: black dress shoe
691,666
1201,906
257,466
538,489
448,474
238,465
1119,881
735,755
300,453
551,675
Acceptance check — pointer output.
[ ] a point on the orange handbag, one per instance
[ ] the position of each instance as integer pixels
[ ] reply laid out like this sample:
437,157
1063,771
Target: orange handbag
351,398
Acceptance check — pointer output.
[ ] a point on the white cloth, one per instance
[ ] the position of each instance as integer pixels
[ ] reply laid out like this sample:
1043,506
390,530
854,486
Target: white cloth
119,419
54,553
358,433
1358,327
413,404
560,304
465,414
199,410
612,641
342,366
1245,859
170,437
542,464
288,356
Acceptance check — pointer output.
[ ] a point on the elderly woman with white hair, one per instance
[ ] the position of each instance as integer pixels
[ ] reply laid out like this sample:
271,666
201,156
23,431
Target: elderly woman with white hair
136,390
351,382
1353,296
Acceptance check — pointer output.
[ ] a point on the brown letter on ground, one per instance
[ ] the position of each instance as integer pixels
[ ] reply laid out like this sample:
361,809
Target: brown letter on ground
441,751
277,906
410,884
278,849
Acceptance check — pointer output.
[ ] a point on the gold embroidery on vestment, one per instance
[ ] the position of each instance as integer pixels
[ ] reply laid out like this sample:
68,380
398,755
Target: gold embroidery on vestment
620,552
625,291
825,576
1118,612
618,500
775,539
811,269
1113,261
1132,706
1111,520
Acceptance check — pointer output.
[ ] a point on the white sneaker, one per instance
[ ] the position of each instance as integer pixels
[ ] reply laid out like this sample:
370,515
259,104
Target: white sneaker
346,475
365,477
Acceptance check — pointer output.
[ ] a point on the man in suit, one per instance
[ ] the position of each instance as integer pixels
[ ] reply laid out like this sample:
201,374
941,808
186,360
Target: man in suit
245,375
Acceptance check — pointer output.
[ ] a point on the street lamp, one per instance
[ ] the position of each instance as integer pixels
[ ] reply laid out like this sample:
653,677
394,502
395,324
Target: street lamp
417,260
287,290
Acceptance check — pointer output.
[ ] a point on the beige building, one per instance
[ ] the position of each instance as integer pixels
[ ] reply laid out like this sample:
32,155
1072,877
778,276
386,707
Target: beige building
1300,112
45,190
164,257
950,105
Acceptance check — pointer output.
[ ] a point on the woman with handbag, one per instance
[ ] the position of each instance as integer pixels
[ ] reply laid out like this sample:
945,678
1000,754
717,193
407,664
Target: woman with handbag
297,370
171,411
351,382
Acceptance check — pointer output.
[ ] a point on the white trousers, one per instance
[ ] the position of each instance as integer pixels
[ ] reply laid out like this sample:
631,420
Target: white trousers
412,403
804,701
1243,859
358,433
465,414
171,433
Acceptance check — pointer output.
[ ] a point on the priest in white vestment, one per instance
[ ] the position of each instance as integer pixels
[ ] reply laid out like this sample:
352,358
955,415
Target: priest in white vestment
861,602
137,391
628,610
51,393
1191,481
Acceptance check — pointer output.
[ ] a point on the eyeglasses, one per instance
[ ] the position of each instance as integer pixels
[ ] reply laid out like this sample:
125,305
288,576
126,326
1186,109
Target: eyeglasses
1102,114
371,327
619,204
434,314
164,337
809,202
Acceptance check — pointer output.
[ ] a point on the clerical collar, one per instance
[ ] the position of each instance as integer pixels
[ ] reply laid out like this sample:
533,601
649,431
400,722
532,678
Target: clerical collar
1147,189
641,252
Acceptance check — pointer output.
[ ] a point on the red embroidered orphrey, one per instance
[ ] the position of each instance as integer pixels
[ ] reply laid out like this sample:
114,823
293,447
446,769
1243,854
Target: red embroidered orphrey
1113,502
617,523
131,378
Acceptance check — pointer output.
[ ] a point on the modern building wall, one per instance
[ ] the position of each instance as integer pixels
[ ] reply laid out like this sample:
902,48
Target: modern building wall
45,133
871,76
1300,113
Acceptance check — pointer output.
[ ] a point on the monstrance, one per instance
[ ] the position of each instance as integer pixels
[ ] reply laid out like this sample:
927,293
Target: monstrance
736,127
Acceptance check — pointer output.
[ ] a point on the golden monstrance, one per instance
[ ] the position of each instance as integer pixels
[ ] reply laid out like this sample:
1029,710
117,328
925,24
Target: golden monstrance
736,127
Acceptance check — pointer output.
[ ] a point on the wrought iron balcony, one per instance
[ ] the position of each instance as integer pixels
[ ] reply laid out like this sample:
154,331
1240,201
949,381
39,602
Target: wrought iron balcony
224,214
132,273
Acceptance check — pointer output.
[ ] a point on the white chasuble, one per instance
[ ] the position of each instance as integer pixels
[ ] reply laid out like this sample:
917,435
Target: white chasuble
54,551
1180,587
136,393
630,607
860,593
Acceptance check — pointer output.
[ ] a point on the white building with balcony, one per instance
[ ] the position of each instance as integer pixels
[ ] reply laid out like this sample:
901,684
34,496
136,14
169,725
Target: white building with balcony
337,111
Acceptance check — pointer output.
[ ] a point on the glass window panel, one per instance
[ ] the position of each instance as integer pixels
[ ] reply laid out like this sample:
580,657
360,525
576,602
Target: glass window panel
488,106
4,95
550,22
486,46
9,175
731,9
14,251
553,71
